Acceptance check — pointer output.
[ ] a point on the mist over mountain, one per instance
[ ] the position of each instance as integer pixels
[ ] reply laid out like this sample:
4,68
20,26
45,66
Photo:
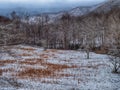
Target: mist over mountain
36,8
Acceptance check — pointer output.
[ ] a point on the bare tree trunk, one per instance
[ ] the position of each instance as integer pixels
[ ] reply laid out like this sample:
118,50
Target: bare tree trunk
88,54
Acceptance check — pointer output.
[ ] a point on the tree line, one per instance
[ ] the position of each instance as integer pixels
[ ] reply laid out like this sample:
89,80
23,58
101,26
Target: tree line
91,32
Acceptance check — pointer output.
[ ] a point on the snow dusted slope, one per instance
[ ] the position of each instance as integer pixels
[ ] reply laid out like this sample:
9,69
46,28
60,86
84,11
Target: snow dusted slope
31,68
107,6
79,11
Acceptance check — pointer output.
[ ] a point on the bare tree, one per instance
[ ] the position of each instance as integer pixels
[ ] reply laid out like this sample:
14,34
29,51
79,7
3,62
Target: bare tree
115,59
65,24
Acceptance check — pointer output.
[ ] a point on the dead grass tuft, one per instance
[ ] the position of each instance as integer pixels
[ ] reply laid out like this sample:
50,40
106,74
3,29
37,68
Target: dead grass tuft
64,75
32,61
24,54
94,66
0,72
102,51
56,67
3,62
34,73
50,82
28,49
51,50
8,70
52,70
44,56
47,55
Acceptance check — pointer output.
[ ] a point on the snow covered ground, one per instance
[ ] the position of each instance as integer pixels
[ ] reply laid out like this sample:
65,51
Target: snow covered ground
30,68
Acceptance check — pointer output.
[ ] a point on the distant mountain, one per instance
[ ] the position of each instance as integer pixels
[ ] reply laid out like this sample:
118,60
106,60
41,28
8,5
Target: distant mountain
82,10
78,11
107,6
36,9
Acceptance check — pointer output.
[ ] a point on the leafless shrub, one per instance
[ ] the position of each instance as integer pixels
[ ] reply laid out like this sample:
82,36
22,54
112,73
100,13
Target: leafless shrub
114,56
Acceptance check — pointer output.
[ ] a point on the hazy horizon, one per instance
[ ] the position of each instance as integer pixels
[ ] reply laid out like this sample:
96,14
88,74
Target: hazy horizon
6,6
48,3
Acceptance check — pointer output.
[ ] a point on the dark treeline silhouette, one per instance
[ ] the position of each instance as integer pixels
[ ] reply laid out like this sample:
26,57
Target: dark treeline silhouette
92,30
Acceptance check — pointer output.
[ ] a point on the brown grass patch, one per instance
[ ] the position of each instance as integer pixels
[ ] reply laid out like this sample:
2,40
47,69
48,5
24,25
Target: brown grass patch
32,61
64,75
24,54
6,70
27,62
28,49
44,56
50,71
0,72
102,51
47,55
34,73
56,67
50,82
51,50
3,62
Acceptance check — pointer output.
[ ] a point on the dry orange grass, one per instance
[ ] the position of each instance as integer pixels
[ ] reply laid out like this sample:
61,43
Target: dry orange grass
34,73
28,49
32,61
47,55
56,67
102,51
51,71
24,54
3,62
27,62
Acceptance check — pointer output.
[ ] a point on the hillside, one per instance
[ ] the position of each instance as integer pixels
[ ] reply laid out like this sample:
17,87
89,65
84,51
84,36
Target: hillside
107,6
81,11
27,67
78,49
4,19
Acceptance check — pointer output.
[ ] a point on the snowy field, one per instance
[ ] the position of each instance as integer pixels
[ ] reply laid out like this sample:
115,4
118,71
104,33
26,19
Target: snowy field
30,68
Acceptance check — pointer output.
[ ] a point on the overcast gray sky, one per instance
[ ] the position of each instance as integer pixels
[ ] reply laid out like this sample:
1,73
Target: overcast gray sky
44,5
51,1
